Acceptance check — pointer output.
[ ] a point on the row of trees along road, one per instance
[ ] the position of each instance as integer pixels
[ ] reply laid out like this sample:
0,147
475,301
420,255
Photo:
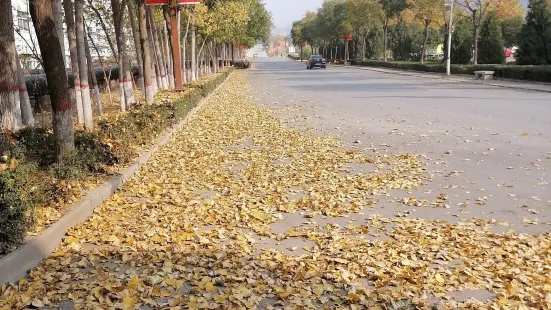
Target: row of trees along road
136,34
406,29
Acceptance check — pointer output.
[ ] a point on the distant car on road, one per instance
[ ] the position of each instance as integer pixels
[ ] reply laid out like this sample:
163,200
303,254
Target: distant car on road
316,61
255,55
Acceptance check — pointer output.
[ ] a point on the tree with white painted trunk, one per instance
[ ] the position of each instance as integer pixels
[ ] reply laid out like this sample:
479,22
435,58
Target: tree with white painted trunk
164,59
106,73
82,65
42,16
157,49
184,45
95,87
26,109
73,54
126,91
154,60
167,31
137,45
193,53
10,113
144,45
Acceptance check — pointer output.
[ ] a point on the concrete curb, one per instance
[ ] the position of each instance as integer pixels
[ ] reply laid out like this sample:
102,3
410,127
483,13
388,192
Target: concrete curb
15,265
427,75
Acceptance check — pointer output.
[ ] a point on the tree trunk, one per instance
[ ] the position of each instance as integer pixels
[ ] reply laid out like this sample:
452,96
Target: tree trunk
385,30
82,67
58,14
364,47
228,52
157,49
193,55
97,95
144,44
222,55
126,92
9,78
475,36
233,54
184,56
202,64
154,59
425,40
210,58
117,21
137,45
42,16
71,34
166,62
156,79
167,31
25,103
356,46
346,52
106,76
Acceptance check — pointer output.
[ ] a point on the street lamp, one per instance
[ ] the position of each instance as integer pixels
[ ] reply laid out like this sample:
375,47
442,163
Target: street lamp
448,60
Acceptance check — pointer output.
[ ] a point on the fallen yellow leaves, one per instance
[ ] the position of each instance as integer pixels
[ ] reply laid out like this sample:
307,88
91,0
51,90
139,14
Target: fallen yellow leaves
185,231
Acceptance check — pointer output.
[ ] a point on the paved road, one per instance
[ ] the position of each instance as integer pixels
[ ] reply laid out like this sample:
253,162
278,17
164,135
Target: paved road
488,149
258,50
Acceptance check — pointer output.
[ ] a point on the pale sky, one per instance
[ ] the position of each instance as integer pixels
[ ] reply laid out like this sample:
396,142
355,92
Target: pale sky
284,12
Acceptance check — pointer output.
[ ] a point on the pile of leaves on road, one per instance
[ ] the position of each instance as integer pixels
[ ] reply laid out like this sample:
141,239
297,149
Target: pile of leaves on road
187,232
36,192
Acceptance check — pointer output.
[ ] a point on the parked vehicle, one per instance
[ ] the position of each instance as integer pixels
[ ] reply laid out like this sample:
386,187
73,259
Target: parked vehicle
316,61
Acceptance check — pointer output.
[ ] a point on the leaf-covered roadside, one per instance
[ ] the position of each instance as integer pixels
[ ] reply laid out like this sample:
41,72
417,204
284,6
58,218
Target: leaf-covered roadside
187,231
36,191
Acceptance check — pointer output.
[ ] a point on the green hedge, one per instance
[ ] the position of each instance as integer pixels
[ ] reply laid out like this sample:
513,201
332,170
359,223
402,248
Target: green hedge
29,153
530,73
15,201
211,85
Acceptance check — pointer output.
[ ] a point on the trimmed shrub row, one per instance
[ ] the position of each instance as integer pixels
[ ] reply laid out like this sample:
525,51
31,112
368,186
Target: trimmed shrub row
529,73
30,178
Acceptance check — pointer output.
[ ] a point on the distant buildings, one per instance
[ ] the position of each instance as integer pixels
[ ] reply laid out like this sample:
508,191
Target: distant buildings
26,43
280,45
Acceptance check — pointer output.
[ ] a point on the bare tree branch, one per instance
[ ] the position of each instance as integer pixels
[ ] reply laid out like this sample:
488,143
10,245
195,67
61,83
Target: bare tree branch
31,45
104,27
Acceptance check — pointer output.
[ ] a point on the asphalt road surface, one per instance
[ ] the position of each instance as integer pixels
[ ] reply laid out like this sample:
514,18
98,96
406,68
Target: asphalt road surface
488,149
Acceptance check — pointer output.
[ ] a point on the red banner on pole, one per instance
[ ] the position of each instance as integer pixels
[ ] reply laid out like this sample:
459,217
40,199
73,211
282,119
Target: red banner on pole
162,2
348,37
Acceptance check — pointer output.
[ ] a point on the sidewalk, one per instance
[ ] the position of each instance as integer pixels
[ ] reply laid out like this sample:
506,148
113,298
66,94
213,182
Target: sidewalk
505,83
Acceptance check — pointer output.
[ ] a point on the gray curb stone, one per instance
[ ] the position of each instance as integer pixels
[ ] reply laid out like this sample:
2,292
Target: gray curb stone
15,265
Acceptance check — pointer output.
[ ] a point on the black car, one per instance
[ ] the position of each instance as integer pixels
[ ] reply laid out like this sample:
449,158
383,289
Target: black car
316,61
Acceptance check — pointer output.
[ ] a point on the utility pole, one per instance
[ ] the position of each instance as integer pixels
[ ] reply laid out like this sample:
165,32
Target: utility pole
450,28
